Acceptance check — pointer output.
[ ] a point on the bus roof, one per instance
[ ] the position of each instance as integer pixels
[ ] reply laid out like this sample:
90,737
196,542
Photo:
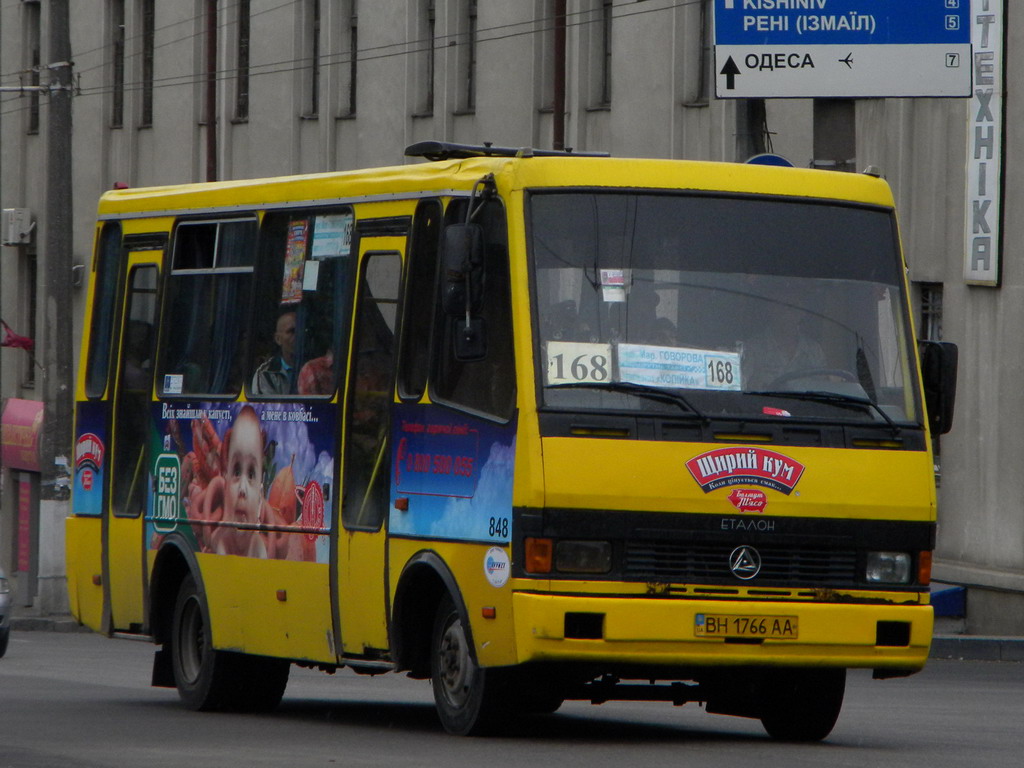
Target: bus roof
457,176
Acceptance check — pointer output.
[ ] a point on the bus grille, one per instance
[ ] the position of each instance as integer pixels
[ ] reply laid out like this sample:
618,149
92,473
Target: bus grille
672,562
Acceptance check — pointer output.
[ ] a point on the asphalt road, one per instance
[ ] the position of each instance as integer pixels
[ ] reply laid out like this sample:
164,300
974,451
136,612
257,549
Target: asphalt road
76,700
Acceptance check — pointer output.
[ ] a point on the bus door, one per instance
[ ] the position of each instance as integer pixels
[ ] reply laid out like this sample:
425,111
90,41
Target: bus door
124,518
362,572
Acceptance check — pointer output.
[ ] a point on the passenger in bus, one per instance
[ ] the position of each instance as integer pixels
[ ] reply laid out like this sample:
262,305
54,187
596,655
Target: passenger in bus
562,322
137,365
644,325
317,376
276,374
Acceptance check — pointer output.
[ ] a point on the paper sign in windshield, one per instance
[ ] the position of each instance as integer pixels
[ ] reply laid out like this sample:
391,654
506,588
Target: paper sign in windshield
571,362
679,367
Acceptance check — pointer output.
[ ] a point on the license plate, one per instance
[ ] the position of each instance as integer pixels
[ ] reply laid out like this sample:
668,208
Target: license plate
746,626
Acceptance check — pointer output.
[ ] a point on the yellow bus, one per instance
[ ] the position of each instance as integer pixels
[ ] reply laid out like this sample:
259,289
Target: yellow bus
532,425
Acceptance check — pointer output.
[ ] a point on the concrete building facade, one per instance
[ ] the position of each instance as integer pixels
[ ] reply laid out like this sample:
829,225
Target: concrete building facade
187,90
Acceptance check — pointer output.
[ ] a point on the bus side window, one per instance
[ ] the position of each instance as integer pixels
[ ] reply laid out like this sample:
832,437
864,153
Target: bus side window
367,467
102,333
208,300
133,414
302,303
417,325
486,386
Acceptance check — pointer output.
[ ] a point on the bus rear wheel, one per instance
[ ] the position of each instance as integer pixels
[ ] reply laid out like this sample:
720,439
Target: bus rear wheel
210,680
467,697
802,704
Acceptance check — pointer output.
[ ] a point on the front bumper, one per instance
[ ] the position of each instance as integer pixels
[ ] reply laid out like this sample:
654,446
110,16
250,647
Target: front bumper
658,632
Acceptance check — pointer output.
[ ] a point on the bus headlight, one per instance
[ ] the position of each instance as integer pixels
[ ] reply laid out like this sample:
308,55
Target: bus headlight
888,567
583,556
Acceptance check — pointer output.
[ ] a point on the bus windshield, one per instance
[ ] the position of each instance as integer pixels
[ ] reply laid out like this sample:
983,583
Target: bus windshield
720,306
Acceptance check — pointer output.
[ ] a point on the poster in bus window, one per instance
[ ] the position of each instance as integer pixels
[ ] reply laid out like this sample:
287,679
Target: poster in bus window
294,261
455,474
255,480
332,236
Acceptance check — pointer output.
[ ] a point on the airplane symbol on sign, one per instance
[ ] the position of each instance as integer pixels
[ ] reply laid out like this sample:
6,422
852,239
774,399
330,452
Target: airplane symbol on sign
848,61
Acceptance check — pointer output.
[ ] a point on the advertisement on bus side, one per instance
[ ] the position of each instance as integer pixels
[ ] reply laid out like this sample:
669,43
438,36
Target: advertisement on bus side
251,479
452,475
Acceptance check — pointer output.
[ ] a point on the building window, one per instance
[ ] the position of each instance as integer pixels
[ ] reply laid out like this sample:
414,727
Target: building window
931,311
353,58
147,13
208,20
427,54
117,39
242,64
345,55
467,56
33,62
311,57
547,29
605,63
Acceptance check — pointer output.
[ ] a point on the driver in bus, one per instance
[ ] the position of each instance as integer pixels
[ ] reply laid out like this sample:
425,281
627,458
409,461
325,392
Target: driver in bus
785,347
276,374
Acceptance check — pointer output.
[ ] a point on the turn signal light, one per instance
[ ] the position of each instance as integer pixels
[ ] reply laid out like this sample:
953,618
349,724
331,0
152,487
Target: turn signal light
924,568
538,555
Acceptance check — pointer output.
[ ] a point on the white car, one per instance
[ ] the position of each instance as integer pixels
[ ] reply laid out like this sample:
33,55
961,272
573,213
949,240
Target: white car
5,612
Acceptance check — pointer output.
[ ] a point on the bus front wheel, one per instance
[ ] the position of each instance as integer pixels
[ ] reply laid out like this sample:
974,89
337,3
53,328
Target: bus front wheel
466,696
803,704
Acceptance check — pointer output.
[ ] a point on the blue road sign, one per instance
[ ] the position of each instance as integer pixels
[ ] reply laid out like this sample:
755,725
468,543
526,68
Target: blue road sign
842,48
768,158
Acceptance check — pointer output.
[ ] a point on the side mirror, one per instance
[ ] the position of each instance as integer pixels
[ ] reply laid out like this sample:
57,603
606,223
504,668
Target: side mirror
938,371
463,260
470,339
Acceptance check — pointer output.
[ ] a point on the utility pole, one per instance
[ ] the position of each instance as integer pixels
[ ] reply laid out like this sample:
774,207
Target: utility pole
750,129
56,310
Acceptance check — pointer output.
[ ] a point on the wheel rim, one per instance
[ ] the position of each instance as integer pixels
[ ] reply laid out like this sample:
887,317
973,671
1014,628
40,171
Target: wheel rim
191,640
455,665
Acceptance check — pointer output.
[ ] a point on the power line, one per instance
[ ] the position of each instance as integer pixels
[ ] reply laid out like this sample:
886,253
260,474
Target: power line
374,53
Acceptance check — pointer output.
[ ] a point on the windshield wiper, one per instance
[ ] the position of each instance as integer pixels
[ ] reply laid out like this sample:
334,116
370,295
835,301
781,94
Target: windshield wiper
836,398
640,390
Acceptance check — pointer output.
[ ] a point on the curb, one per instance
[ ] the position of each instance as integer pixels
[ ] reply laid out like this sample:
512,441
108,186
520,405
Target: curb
972,648
46,624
